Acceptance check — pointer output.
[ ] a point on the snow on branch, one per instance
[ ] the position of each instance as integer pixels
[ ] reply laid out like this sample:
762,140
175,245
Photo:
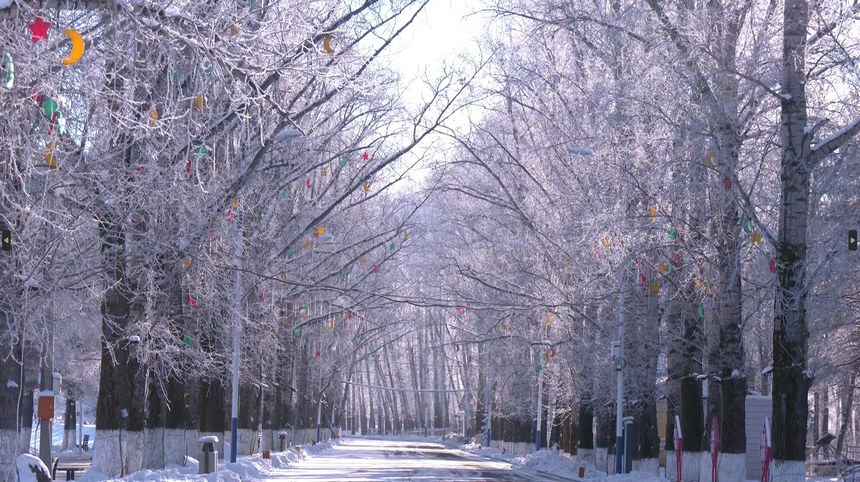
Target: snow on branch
835,140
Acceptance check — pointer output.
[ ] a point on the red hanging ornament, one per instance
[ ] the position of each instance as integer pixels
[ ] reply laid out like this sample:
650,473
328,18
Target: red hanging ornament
191,301
366,156
677,258
141,169
375,269
211,235
552,352
261,297
317,354
230,215
349,315
189,167
643,279
772,265
727,183
39,28
308,183
459,309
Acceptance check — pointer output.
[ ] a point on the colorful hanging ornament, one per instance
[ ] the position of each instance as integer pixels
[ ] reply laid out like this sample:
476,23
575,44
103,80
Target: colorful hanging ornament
392,246
261,297
643,279
755,237
538,368
549,320
187,341
199,101
9,67
363,260
653,215
297,332
188,261
672,233
308,244
701,312
229,215
655,288
324,172
375,269
569,262
709,159
405,236
661,268
290,252
308,183
50,158
772,265
677,258
39,28
727,184
78,47
319,231
746,225
365,156
234,30
317,354
141,169
277,329
285,196
191,301
552,352
201,151
344,161
606,241
459,310
234,203
367,187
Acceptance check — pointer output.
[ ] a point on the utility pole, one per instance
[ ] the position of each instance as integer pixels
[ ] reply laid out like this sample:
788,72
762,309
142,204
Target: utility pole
47,395
238,252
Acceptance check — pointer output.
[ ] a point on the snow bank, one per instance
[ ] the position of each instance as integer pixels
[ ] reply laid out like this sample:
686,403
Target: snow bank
31,469
253,467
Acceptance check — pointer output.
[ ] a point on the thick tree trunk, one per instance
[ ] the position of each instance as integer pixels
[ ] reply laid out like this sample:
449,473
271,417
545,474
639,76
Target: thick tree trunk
847,405
790,380
69,423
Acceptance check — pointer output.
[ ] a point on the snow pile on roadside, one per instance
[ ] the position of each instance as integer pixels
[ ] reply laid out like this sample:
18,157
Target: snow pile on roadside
560,464
246,468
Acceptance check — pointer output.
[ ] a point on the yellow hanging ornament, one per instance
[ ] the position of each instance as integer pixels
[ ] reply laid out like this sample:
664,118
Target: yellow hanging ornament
606,241
405,235
153,117
655,288
653,211
319,231
661,268
50,159
569,262
756,237
308,244
367,187
324,172
363,260
188,261
548,320
198,101
277,329
709,159
234,203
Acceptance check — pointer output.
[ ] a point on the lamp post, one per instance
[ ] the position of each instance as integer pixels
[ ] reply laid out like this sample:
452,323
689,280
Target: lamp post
239,243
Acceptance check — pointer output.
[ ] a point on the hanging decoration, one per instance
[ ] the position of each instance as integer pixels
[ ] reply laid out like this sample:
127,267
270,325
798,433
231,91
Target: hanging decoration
308,183
366,156
78,47
201,151
746,225
290,252
727,184
672,233
50,158
324,172
344,161
661,268
655,288
701,312
308,244
317,354
405,236
677,258
234,30
327,44
320,230
51,111
549,320
39,28
653,215
187,340
191,301
229,215
643,279
363,260
606,241
199,101
552,352
297,332
367,187
277,329
569,262
392,246
772,265
756,237
709,159
141,169
261,297
538,368
188,261
375,269
456,348
459,310
234,203
285,196
9,67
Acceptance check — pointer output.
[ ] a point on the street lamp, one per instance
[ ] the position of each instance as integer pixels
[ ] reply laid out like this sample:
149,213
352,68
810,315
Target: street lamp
281,137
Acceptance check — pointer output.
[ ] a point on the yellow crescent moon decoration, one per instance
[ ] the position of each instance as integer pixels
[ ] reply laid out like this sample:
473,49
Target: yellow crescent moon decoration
78,47
327,44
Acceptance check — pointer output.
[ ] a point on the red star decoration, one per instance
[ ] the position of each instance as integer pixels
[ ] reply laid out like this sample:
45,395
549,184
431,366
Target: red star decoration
365,156
39,29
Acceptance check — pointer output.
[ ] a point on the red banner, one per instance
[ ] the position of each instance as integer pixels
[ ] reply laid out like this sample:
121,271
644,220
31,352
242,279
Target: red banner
766,452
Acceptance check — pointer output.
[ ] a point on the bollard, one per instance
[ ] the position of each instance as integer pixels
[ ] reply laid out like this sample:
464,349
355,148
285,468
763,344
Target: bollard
208,455
282,436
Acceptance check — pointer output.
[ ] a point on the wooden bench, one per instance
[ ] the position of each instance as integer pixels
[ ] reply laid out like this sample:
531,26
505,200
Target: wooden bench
71,464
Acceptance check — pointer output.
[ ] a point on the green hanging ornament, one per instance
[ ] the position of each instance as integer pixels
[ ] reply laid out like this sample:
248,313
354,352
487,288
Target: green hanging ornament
746,225
344,161
538,368
290,252
701,312
201,151
392,246
345,275
672,233
176,75
187,340
10,70
297,332
285,196
307,305
49,107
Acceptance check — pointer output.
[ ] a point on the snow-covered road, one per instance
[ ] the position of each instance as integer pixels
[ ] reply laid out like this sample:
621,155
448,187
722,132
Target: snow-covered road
376,459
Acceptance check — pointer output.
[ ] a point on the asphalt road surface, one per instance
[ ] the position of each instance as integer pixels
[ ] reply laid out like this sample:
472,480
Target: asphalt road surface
377,459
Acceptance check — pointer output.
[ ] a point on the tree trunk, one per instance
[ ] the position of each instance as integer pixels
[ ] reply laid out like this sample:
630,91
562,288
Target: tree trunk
790,333
847,405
